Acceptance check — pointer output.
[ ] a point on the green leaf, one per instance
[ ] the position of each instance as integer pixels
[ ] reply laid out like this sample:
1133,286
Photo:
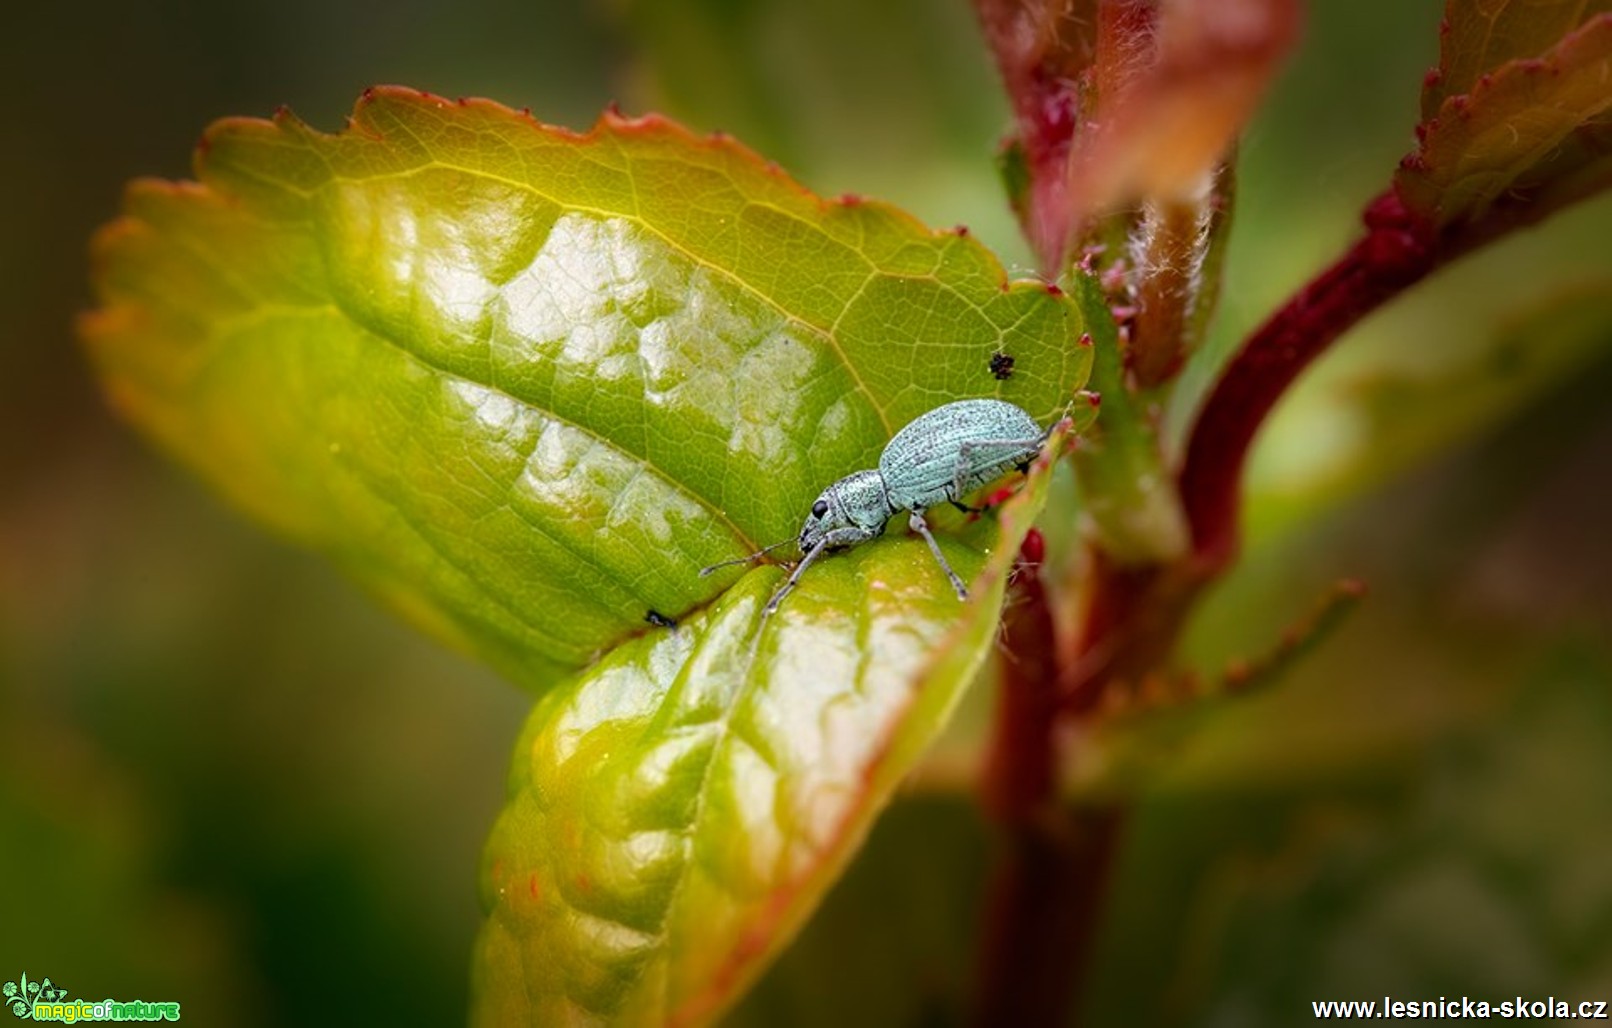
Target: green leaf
524,382
1530,136
1125,491
677,810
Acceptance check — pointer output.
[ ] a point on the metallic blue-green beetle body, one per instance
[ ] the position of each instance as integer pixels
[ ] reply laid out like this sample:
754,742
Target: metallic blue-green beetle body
940,457
944,455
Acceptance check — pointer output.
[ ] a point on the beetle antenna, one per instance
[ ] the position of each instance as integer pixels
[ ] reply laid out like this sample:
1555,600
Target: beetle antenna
744,560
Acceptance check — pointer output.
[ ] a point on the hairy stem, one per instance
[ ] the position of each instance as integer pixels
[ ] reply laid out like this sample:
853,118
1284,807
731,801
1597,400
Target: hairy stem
1168,252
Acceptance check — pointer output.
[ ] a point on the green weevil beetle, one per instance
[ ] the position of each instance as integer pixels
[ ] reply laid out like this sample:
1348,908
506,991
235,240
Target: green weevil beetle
939,457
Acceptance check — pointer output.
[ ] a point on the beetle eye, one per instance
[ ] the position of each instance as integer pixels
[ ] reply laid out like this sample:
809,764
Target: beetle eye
819,508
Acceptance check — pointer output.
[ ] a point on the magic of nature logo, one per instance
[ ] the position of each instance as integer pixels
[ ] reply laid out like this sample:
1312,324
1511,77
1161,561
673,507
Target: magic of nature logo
40,1000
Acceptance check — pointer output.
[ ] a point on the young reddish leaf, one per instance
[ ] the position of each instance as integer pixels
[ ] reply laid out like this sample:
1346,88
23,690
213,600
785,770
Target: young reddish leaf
1045,51
677,811
1120,100
1529,137
525,382
1479,36
1180,103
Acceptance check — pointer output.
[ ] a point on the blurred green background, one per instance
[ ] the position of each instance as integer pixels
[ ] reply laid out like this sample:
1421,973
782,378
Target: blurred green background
228,780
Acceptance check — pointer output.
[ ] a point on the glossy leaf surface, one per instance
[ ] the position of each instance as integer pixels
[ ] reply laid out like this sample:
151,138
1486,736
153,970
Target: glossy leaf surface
677,810
525,382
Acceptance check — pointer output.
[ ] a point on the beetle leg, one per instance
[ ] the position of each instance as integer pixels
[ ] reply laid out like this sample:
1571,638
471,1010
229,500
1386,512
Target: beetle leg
965,508
789,585
835,540
917,523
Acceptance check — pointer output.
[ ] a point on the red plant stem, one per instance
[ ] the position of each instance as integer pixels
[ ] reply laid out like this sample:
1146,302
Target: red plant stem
1044,906
1043,902
1131,615
1045,898
1398,249
1033,918
1020,769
